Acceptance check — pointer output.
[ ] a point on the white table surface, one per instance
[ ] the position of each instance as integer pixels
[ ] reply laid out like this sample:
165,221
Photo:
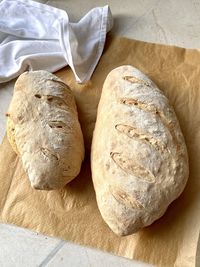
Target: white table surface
168,22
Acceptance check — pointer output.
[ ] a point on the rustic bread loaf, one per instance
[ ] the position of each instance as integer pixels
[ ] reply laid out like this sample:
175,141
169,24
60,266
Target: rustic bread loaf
43,128
139,157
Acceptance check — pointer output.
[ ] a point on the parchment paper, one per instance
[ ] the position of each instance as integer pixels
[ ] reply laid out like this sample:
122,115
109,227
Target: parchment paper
71,213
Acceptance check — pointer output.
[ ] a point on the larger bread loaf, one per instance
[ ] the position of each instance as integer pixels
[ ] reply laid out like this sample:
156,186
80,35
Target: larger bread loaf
43,128
139,157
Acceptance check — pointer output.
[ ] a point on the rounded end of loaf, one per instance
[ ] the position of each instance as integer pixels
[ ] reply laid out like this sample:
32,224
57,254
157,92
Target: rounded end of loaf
48,182
119,225
39,187
120,231
134,223
54,179
44,184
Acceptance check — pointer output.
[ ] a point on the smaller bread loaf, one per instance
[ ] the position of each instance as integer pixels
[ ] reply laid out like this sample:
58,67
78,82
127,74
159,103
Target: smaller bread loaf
139,157
43,128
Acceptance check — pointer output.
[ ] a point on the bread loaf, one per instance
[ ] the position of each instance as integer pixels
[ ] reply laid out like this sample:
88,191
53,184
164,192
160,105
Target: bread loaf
139,157
43,128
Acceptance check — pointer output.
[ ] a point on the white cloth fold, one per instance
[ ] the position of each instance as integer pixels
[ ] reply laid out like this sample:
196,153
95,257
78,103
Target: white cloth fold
37,36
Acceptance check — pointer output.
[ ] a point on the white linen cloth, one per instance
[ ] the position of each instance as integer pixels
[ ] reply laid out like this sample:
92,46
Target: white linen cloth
36,36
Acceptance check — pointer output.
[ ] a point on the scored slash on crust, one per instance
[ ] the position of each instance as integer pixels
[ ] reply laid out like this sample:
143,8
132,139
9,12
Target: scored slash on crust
133,79
59,125
133,132
124,198
127,164
47,153
132,167
60,82
57,100
154,110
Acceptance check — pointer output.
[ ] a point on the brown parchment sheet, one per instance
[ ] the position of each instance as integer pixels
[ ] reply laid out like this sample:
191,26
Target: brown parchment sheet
71,213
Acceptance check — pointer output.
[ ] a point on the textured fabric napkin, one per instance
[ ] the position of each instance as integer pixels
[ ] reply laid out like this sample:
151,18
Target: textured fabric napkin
37,36
72,213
